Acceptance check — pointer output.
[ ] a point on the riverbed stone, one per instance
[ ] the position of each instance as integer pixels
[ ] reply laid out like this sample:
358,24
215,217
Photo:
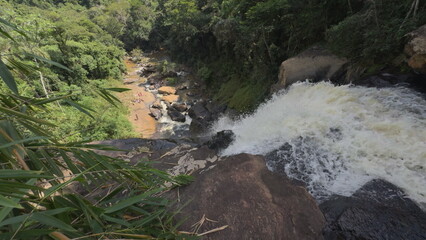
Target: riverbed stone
241,195
415,49
167,90
170,98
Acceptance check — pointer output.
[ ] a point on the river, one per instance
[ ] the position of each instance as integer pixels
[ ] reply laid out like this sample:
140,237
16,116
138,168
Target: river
336,138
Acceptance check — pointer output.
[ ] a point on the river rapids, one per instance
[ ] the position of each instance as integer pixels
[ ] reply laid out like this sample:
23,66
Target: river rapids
337,138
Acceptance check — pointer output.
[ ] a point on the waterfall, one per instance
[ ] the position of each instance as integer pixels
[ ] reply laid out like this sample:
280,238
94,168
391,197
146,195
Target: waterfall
336,138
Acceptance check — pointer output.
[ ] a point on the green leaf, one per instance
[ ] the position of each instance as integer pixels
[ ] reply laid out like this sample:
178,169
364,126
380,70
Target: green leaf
148,219
8,78
14,27
21,218
19,174
7,202
80,107
27,234
22,141
116,220
52,221
57,187
130,201
11,184
6,34
53,99
5,211
23,68
118,89
48,61
25,116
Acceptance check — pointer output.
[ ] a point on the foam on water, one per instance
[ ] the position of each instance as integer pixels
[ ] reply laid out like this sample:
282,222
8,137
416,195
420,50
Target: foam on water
340,137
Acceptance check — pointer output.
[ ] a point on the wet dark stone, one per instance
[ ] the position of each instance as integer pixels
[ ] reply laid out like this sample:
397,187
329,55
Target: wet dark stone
198,126
180,107
198,111
201,118
377,211
382,80
221,140
279,157
215,108
175,115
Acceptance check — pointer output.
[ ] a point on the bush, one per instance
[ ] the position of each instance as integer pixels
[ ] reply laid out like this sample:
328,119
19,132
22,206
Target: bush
376,34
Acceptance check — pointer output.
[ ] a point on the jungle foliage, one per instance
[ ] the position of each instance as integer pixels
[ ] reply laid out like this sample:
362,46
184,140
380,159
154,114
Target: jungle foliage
237,42
55,188
242,42
67,35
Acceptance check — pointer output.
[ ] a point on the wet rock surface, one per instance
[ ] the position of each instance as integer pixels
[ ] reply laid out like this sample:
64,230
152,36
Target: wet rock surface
221,140
378,210
176,115
203,114
383,80
180,107
199,112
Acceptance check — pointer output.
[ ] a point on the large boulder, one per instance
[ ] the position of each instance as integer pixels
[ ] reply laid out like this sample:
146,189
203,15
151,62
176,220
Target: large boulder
378,210
416,49
315,63
239,198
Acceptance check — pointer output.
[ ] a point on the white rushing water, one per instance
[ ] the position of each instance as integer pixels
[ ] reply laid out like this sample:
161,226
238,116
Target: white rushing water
339,137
